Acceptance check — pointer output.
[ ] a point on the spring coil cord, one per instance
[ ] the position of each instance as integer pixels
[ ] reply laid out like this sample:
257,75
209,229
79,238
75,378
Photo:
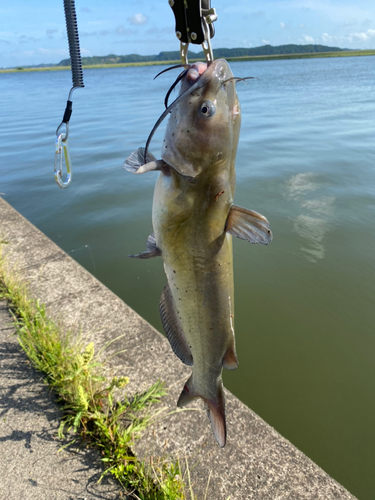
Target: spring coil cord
61,143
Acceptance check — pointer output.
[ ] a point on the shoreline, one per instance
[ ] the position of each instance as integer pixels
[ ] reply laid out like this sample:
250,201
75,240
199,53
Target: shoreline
307,55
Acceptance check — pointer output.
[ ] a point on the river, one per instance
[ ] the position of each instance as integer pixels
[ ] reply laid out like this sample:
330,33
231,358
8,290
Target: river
305,305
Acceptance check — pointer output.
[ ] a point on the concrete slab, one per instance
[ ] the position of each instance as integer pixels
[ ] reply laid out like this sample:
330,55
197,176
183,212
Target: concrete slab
32,466
256,464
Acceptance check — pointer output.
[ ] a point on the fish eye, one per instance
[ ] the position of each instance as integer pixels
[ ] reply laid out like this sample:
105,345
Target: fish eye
208,109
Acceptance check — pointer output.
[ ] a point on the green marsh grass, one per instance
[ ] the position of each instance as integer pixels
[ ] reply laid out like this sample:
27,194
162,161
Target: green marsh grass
304,55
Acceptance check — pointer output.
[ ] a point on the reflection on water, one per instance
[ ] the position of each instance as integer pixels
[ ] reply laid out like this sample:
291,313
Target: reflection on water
300,184
304,304
321,206
313,230
307,224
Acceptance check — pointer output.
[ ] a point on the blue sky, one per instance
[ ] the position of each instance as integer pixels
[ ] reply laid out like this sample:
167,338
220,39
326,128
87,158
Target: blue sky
33,32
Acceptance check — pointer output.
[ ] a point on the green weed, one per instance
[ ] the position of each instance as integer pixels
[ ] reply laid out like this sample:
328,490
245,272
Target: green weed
96,408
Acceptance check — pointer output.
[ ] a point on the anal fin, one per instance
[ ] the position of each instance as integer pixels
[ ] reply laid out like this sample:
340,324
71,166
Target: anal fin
172,327
230,361
248,225
152,249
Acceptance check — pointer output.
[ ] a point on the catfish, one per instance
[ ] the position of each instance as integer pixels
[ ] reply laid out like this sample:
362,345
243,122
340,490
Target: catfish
194,219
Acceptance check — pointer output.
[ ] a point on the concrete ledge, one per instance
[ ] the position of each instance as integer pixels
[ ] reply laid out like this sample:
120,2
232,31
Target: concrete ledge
32,464
256,464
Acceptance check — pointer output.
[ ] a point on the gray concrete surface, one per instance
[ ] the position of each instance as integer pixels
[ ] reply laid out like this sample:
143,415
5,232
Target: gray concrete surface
32,464
256,464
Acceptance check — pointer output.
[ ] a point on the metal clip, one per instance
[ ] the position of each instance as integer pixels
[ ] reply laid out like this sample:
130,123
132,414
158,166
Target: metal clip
61,145
206,45
184,52
194,24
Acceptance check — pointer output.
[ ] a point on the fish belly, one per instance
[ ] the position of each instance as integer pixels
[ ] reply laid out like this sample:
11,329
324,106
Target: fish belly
198,262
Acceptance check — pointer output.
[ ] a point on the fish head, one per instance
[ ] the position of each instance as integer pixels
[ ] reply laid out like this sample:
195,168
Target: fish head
204,124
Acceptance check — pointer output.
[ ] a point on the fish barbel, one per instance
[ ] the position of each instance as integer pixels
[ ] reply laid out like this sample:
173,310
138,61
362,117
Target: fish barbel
194,219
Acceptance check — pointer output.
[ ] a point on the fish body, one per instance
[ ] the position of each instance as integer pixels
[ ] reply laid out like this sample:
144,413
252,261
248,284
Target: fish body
194,219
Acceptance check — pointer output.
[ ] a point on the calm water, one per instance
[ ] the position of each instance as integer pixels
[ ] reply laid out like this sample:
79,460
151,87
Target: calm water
305,305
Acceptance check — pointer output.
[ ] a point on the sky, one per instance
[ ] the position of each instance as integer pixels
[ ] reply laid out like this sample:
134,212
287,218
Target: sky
33,31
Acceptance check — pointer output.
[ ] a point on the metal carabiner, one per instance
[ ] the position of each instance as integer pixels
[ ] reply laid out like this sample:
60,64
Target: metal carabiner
194,24
61,146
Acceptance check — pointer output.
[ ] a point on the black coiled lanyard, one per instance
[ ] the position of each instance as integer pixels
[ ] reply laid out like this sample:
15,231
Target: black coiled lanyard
61,143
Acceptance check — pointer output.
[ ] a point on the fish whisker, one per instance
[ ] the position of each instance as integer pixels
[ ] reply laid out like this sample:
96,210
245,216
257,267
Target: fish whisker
237,79
178,79
199,83
172,67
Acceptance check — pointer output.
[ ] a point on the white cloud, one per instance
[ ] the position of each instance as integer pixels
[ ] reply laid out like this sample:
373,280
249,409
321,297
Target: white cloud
27,39
121,30
246,42
138,19
53,52
363,37
308,38
265,42
348,24
282,25
326,38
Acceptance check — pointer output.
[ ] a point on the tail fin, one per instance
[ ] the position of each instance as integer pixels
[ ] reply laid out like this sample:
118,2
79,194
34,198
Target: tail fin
215,408
216,412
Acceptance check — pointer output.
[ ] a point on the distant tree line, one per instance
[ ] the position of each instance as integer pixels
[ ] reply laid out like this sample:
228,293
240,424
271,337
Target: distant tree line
264,50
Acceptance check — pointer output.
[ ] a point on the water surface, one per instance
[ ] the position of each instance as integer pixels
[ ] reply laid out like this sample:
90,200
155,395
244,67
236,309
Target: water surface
304,305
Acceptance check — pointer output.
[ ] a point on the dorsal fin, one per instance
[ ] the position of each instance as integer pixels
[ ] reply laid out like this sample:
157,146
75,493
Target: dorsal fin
172,327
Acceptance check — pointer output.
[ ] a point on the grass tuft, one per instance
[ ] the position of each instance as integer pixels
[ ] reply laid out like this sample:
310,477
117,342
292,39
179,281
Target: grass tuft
97,409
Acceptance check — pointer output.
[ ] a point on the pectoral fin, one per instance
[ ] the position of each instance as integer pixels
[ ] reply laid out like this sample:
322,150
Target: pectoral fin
152,249
248,225
172,327
138,164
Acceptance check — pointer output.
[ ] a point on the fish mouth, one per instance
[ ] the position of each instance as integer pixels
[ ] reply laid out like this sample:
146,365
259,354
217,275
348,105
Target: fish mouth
195,71
217,70
199,82
196,76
